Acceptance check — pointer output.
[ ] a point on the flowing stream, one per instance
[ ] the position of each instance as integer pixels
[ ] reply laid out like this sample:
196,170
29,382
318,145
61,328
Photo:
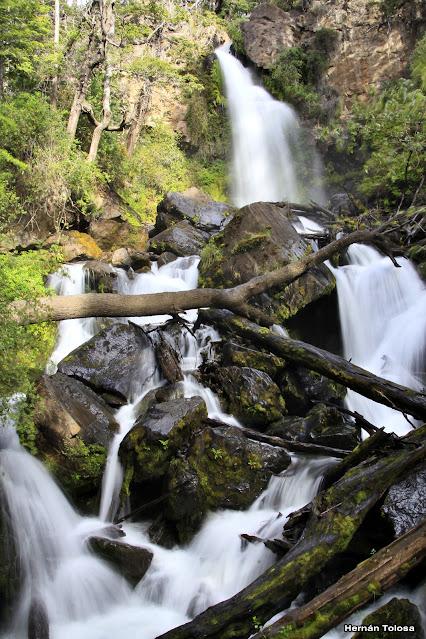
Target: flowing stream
382,313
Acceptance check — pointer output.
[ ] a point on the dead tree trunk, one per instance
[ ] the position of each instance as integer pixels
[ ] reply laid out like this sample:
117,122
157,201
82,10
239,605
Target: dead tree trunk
333,521
141,110
353,591
56,36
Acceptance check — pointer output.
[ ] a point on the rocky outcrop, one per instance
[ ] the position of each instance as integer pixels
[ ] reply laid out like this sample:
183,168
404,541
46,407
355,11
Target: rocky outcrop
396,612
237,355
248,394
182,239
130,258
131,561
405,503
75,246
322,425
110,362
195,207
373,42
102,276
267,33
258,239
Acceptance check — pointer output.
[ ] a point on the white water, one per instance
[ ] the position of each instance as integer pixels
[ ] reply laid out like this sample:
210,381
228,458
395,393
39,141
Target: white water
266,142
383,319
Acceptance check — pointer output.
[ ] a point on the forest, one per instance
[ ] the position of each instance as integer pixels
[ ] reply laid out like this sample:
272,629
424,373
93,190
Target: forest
212,319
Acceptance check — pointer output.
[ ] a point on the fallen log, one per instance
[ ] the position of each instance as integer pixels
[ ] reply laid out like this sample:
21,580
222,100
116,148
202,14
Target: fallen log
368,581
113,305
335,516
168,360
332,366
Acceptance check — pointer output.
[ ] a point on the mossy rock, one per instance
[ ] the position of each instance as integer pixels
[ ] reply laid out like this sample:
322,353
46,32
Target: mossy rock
397,612
236,355
222,469
182,239
249,394
157,436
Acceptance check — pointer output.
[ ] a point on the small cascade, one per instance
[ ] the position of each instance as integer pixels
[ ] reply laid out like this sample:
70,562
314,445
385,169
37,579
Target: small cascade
383,319
72,279
267,143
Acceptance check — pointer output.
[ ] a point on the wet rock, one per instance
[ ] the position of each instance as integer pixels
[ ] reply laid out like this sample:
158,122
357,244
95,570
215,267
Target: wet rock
66,408
342,205
236,355
405,504
38,620
102,276
75,427
259,239
222,469
110,362
9,564
147,449
165,258
268,31
301,387
182,239
130,258
131,561
322,425
251,395
194,206
397,612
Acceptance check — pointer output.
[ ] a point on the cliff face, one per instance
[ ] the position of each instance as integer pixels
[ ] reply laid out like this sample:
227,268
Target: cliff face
370,48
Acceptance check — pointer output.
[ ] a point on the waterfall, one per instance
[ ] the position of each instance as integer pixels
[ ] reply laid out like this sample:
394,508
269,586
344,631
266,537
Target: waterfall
266,143
383,318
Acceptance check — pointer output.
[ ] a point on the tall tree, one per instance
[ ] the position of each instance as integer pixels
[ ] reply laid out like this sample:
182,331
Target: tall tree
24,31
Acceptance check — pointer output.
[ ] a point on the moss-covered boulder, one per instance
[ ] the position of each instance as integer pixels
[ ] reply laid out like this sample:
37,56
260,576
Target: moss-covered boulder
74,429
131,561
182,239
237,355
148,448
322,425
248,394
405,504
300,388
111,362
258,239
399,614
221,469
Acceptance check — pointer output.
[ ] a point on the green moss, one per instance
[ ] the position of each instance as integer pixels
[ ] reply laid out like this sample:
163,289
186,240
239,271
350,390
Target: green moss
251,241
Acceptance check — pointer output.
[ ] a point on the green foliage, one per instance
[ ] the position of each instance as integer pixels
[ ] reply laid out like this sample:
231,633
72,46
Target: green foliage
24,348
418,66
42,172
25,37
295,75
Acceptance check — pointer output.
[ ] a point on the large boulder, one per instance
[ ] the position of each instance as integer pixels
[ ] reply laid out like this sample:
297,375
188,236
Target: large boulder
131,561
268,31
322,425
75,428
182,239
147,449
249,394
221,469
75,245
405,504
258,239
195,207
396,612
111,362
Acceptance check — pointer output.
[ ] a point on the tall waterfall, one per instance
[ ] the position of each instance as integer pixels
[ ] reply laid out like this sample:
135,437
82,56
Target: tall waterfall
266,143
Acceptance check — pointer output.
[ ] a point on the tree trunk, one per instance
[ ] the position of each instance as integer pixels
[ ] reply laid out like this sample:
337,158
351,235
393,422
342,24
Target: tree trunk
353,591
331,366
336,515
56,35
106,116
1,78
139,116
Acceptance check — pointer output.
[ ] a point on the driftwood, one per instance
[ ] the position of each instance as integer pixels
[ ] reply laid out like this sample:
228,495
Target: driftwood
332,366
335,516
234,299
353,591
168,360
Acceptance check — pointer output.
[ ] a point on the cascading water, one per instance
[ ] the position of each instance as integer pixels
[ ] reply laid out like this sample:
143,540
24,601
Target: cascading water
383,319
266,141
